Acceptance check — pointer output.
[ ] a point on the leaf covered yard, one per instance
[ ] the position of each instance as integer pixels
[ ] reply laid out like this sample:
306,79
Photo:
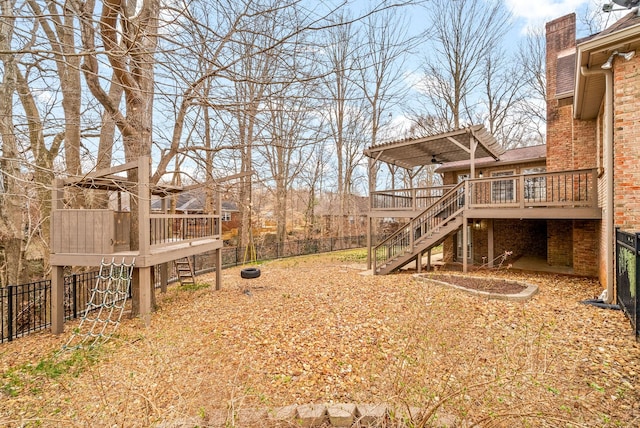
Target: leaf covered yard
314,330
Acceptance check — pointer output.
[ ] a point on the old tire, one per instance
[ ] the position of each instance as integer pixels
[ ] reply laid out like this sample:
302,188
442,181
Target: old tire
250,273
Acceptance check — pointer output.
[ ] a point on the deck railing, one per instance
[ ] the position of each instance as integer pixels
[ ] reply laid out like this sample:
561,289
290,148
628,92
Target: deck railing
415,199
171,228
575,188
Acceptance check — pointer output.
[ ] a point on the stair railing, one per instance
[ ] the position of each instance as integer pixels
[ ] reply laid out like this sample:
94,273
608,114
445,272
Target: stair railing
421,227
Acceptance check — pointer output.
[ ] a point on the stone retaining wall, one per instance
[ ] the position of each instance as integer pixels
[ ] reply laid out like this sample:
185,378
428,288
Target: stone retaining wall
317,415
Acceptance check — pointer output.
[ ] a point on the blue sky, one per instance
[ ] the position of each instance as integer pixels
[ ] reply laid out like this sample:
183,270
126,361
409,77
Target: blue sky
535,13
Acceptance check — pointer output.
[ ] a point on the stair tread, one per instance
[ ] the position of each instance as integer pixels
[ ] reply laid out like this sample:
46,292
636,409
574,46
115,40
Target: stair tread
184,271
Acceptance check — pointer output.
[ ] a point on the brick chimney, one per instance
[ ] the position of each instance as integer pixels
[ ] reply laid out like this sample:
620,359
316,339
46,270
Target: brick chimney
560,69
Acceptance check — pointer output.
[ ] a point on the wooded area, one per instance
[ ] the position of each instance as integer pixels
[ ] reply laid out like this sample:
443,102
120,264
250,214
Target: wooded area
286,92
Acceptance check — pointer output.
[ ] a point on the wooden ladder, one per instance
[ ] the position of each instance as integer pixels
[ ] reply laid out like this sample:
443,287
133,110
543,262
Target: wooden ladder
185,272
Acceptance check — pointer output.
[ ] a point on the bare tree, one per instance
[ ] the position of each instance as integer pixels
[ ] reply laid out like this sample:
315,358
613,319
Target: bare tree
11,235
286,131
128,31
346,109
27,157
311,179
502,94
531,60
592,19
464,33
381,64
58,25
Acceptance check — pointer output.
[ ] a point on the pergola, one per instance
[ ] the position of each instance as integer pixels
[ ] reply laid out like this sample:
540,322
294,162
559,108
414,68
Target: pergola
470,143
413,154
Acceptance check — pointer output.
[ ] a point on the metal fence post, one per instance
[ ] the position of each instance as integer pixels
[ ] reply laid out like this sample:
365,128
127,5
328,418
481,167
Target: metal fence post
637,299
74,294
10,312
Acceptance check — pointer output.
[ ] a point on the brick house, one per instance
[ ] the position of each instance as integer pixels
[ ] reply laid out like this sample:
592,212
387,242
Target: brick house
560,202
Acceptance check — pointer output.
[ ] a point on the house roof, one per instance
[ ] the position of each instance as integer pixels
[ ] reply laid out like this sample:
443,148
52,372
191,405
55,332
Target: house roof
446,147
510,157
565,74
629,20
193,201
591,53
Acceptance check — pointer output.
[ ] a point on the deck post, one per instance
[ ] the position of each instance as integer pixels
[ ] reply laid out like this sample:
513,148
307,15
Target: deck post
164,277
143,276
490,242
57,272
465,243
144,205
419,262
57,299
218,269
218,232
145,284
473,145
372,187
465,229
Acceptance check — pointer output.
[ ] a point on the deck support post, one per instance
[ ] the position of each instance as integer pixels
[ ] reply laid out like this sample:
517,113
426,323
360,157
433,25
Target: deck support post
57,299
428,260
143,277
164,277
465,245
372,188
490,242
57,272
419,262
218,269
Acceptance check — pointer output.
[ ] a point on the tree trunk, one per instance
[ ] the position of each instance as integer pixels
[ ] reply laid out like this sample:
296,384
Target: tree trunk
11,203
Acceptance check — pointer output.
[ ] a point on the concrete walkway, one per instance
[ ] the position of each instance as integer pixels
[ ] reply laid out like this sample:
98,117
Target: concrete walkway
536,264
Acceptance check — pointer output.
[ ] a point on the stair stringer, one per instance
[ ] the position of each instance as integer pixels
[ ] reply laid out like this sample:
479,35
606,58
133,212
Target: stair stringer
423,244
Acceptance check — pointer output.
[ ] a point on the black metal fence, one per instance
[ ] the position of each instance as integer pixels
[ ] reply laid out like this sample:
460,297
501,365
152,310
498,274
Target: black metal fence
234,256
26,308
627,257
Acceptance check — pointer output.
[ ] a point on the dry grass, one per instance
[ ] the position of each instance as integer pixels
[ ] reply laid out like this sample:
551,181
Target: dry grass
313,330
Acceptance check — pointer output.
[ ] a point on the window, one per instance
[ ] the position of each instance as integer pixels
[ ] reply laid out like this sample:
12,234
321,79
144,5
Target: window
226,216
502,191
535,188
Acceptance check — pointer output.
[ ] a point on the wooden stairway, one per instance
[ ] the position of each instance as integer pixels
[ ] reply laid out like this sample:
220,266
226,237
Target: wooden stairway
428,229
420,246
185,271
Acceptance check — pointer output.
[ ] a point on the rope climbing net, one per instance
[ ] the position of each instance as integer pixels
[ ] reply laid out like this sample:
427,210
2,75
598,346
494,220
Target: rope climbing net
105,307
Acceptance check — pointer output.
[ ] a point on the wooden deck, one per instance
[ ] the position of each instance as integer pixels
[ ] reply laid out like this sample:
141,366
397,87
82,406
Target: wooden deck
550,195
158,255
85,237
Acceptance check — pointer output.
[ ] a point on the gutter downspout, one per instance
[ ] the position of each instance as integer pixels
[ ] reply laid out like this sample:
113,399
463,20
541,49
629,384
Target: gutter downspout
607,160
